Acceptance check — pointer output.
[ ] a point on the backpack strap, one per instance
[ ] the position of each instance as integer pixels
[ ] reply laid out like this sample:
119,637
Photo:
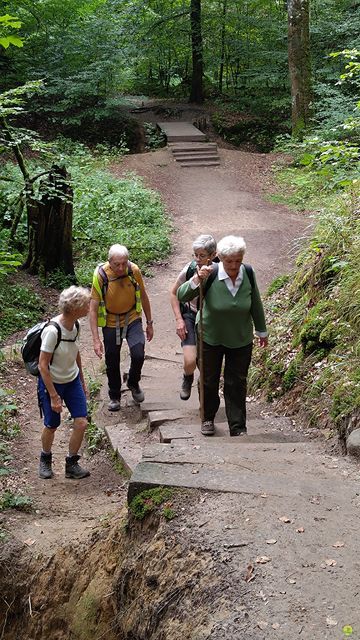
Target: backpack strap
191,270
58,339
250,275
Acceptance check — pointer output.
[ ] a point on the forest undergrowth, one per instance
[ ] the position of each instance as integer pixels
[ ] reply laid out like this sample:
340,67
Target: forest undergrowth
314,312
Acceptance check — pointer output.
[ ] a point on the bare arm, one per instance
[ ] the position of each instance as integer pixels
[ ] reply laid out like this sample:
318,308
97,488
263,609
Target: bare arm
44,362
98,345
175,305
81,373
147,310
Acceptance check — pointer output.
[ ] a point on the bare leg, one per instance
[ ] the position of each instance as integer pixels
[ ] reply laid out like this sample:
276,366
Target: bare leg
77,435
47,439
189,352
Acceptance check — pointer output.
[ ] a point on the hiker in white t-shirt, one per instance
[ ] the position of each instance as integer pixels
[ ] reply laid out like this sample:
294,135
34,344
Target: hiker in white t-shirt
61,380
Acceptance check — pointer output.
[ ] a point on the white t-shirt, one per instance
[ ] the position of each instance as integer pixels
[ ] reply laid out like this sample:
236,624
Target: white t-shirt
181,279
63,367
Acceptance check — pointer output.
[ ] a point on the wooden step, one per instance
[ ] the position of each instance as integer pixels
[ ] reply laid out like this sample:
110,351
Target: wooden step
200,163
196,157
183,148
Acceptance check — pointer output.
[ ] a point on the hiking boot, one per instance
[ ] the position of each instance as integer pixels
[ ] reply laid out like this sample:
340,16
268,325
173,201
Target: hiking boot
114,405
136,392
45,470
73,469
185,391
239,431
208,428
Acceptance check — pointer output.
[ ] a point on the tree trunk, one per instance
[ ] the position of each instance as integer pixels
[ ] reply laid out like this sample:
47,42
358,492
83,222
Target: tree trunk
196,94
222,51
299,64
50,227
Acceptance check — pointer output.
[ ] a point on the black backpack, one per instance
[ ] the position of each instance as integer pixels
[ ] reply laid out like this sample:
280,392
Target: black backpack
30,349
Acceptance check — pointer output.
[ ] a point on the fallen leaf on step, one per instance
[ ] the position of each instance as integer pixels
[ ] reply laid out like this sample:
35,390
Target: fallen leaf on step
271,541
29,541
275,625
300,530
338,544
249,573
331,622
262,559
284,519
262,624
263,495
330,562
195,471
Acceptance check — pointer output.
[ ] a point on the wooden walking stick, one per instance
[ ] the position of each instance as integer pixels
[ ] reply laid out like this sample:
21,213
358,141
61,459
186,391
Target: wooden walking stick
201,351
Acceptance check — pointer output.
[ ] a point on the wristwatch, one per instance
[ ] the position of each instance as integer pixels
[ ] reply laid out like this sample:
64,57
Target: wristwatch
149,321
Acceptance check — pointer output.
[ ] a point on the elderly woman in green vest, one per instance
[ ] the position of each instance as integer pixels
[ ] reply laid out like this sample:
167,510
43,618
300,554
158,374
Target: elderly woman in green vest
232,308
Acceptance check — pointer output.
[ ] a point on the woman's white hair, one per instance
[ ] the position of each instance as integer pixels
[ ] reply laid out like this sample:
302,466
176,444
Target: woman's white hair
231,245
73,298
118,250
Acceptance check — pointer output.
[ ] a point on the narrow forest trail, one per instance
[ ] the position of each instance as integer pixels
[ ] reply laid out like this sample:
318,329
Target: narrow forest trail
302,549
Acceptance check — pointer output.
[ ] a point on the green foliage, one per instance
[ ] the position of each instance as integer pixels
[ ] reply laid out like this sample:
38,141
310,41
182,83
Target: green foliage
154,137
278,284
7,409
10,500
19,310
7,23
148,500
95,437
315,317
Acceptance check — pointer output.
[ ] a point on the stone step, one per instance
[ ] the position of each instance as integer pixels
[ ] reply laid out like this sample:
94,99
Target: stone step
198,156
258,431
195,137
222,477
184,147
200,163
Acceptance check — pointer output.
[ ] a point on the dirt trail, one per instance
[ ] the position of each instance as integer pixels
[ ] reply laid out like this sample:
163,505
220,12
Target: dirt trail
222,200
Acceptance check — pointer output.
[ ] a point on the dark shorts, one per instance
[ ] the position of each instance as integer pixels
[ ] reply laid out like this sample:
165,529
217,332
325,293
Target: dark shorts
189,318
73,395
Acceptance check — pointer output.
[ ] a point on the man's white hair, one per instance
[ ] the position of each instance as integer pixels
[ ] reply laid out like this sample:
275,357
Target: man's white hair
118,250
231,245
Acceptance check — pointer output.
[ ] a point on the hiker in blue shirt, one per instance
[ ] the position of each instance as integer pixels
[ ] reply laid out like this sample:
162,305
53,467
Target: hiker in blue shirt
61,380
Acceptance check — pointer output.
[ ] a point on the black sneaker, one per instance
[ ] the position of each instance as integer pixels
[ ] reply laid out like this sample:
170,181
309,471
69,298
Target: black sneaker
45,469
114,405
238,431
185,391
73,469
136,392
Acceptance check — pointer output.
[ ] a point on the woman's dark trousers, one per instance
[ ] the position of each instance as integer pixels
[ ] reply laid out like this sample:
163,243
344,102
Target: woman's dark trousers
237,362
